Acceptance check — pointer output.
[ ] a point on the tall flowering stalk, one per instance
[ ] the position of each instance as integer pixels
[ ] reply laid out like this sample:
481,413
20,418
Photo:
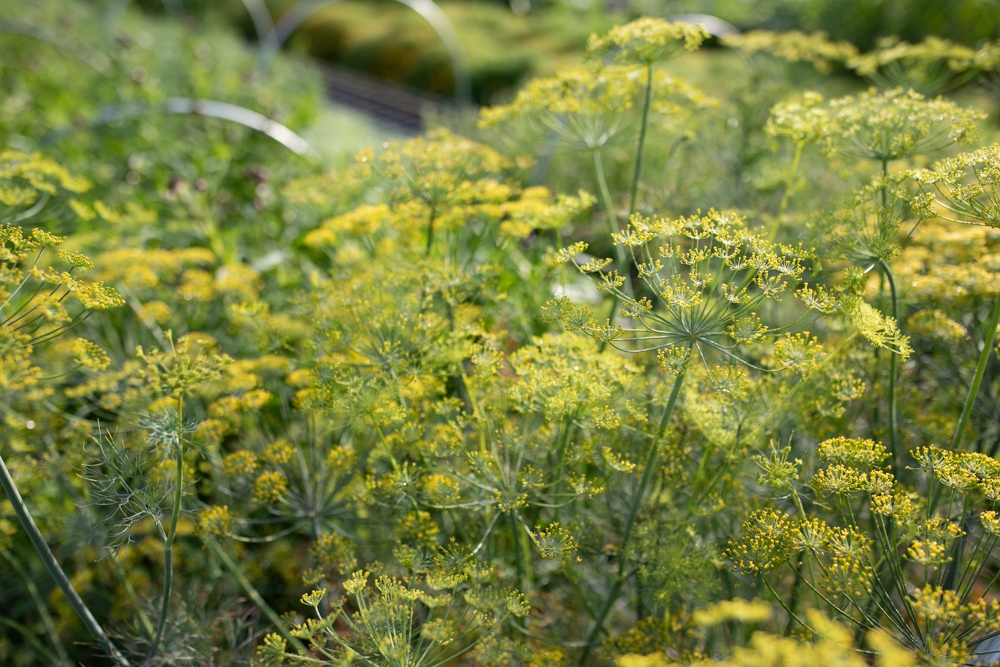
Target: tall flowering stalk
709,275
587,107
966,189
645,42
174,373
886,127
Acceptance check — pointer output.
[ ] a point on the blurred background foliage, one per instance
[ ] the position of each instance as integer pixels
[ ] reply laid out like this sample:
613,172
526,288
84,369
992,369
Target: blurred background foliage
508,40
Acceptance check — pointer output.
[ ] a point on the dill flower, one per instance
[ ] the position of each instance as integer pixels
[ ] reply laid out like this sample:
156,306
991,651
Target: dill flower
456,606
555,542
936,325
932,66
794,46
587,106
240,463
839,480
990,521
767,542
278,452
434,180
803,120
647,40
215,521
562,377
191,362
25,178
331,554
538,210
777,471
853,452
895,124
90,355
709,275
878,329
270,487
965,187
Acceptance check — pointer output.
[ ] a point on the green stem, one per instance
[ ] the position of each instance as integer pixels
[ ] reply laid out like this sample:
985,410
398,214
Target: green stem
168,543
557,486
52,565
977,380
255,596
524,542
787,196
602,187
613,228
648,473
430,229
642,142
609,209
893,372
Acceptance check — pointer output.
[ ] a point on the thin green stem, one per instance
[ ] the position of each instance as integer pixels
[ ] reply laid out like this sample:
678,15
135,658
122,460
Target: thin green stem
52,565
609,209
602,187
648,474
634,193
893,372
255,595
524,543
168,543
430,229
977,380
787,196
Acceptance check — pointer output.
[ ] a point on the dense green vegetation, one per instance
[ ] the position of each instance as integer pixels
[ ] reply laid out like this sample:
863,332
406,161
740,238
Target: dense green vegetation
388,39
687,355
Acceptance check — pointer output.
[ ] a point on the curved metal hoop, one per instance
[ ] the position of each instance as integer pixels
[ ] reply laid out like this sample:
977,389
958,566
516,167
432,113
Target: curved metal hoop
427,9
213,109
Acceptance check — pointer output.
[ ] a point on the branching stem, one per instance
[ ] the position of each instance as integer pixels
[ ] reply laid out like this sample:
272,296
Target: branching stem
168,542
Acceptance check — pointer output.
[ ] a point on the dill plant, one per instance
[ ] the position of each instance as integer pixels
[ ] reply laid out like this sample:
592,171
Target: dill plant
905,568
395,412
34,312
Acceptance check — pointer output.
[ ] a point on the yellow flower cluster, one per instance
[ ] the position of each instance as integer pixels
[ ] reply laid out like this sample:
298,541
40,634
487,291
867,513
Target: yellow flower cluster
931,66
877,125
647,41
794,46
193,361
587,106
26,177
